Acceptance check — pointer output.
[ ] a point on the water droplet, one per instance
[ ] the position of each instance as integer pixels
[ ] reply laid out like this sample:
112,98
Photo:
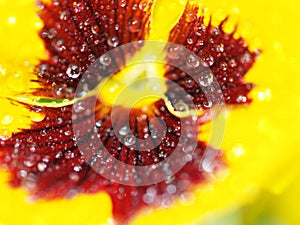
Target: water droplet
208,61
206,79
171,189
74,176
174,52
190,17
95,29
59,120
124,130
129,140
123,3
216,31
199,29
79,107
63,15
42,166
28,163
232,63
77,168
51,33
148,199
105,60
154,134
73,71
207,104
189,83
78,7
98,124
113,41
143,4
23,173
241,99
59,45
83,47
190,41
181,107
92,58
67,132
220,48
192,61
134,25
246,58
162,154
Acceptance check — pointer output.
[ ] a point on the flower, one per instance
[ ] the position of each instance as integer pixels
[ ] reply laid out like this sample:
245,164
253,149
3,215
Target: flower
236,158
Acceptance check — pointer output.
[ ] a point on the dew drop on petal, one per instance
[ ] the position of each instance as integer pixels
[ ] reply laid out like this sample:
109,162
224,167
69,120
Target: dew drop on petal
95,29
77,168
113,41
67,132
220,48
199,29
174,52
37,116
129,140
41,166
73,71
181,107
241,99
192,61
124,130
208,61
123,3
206,79
92,58
171,189
190,41
207,104
105,60
232,63
134,25
143,4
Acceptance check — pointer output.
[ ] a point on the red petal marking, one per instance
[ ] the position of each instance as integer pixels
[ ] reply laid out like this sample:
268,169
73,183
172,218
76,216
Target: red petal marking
78,32
47,161
228,59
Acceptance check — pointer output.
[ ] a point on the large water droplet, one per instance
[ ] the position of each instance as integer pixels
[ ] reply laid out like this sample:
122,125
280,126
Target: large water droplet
73,71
